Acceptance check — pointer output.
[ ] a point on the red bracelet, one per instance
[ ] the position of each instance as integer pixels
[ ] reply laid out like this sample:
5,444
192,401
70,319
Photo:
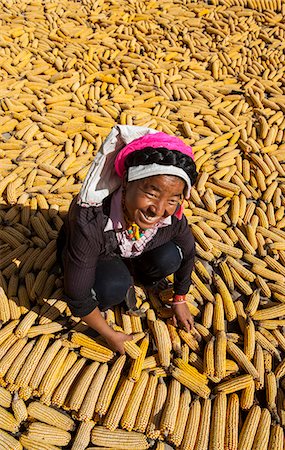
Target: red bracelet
179,298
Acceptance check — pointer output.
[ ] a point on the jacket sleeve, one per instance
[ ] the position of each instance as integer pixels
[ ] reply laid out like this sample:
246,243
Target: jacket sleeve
79,259
185,241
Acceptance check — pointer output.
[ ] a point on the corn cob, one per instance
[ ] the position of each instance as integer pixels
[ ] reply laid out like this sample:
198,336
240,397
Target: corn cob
4,306
184,406
229,308
280,370
218,422
205,292
83,436
9,442
78,391
191,428
132,349
276,441
247,396
207,319
269,313
127,325
249,339
220,354
62,390
170,409
201,378
7,344
14,305
204,426
253,303
117,408
258,361
151,362
87,407
202,270
119,439
163,342
5,397
249,428
48,434
275,287
50,328
208,361
44,364
49,378
174,337
263,431
131,409
153,428
16,366
232,423
269,336
8,421
24,301
50,416
267,273
26,323
137,364
231,367
227,249
145,408
271,391
29,366
136,324
240,283
241,359
189,339
201,238
53,312
267,345
19,409
7,330
10,356
218,319
191,382
268,361
234,384
94,355
85,341
226,275
109,386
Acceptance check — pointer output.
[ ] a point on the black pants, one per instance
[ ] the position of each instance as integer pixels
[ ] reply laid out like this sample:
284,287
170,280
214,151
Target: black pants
114,276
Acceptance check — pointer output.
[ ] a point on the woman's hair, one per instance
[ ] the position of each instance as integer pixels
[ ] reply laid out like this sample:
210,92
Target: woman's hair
164,157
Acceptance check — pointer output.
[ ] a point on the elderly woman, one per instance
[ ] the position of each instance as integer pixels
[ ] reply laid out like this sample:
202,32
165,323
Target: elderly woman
127,224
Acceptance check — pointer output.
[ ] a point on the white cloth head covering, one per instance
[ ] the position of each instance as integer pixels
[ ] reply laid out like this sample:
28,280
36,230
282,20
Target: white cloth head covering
102,179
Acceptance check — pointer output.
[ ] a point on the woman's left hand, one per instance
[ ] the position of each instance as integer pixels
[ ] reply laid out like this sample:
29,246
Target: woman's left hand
183,317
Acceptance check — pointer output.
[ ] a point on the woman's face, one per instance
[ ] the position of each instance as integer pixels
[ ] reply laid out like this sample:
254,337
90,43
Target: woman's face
149,200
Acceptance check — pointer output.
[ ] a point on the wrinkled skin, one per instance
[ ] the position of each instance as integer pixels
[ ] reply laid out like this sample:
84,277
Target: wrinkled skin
151,199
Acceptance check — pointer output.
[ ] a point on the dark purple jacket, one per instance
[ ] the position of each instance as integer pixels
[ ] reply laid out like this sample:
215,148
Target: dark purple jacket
82,241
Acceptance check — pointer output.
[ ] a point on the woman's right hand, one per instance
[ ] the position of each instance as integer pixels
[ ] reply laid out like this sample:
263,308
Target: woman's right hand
116,341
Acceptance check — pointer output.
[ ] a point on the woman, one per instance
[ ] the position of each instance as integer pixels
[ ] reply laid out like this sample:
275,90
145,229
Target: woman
127,223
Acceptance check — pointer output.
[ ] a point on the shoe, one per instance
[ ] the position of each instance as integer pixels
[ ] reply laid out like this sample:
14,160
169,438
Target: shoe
159,286
131,302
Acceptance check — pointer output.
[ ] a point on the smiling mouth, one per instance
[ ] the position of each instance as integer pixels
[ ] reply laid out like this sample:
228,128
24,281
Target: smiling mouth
149,219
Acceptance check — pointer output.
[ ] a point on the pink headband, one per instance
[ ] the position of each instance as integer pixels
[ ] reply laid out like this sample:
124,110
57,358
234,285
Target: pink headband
154,140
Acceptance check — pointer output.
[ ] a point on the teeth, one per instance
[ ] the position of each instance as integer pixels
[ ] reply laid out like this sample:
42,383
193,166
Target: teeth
149,218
